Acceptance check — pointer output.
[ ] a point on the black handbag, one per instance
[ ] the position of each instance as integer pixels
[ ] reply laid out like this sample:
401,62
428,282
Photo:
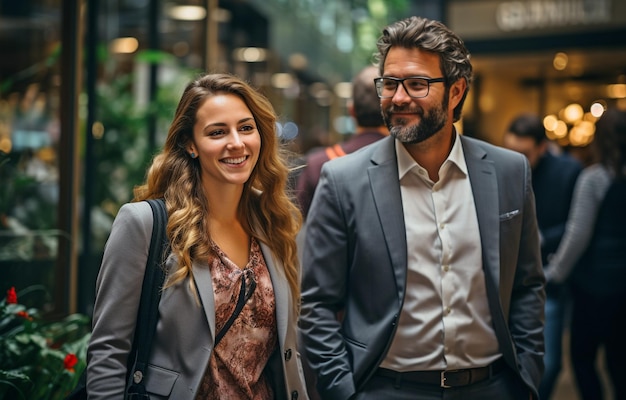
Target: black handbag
147,316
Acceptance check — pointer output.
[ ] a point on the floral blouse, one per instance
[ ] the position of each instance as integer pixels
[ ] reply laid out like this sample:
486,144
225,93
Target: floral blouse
236,366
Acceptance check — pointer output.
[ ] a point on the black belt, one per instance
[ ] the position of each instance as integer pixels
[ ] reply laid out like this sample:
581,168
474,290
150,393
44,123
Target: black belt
446,379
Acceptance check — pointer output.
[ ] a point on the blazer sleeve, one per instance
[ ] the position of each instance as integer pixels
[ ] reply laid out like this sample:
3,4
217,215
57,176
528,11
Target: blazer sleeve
527,297
118,291
324,290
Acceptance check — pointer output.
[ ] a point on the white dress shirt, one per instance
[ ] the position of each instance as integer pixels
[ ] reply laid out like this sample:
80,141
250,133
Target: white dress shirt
445,321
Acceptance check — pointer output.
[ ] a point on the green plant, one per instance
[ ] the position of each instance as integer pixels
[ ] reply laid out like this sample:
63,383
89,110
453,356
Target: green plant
39,359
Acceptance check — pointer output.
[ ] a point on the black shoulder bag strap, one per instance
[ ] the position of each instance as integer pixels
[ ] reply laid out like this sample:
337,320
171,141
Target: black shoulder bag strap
148,314
241,301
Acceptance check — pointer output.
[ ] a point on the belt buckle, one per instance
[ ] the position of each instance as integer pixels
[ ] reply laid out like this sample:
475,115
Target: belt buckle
443,380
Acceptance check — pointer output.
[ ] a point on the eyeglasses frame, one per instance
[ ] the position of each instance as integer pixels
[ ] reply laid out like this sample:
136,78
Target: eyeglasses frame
401,82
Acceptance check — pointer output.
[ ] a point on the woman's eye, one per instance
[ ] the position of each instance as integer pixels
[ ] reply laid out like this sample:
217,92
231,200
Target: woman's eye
217,132
247,128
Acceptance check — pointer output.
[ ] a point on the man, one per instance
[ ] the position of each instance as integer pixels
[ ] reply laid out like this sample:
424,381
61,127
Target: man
364,107
554,177
426,244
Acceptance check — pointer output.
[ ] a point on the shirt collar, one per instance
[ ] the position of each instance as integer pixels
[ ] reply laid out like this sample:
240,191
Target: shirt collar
406,163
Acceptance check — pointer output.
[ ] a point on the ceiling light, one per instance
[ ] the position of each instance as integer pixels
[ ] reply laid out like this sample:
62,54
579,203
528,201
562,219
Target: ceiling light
282,80
125,45
597,109
617,91
573,112
560,61
186,13
250,54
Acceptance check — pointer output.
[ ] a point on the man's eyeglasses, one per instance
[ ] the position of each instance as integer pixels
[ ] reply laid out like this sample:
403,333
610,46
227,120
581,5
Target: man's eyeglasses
415,86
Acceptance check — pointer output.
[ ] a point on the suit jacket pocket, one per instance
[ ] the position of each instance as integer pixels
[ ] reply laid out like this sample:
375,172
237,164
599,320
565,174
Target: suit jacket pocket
358,355
509,215
160,381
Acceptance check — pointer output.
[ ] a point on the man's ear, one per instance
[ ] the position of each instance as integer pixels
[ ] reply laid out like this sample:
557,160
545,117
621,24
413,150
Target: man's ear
350,107
457,90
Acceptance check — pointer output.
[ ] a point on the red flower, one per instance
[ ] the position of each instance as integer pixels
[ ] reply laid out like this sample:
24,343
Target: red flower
70,361
24,315
11,296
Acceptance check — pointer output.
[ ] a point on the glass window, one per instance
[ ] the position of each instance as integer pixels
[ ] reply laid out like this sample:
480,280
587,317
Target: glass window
29,136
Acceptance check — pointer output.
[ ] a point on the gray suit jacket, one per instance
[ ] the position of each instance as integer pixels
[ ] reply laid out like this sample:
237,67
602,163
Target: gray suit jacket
355,259
186,330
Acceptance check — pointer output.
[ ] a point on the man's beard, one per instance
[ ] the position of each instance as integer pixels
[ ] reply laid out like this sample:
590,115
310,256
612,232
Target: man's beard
430,123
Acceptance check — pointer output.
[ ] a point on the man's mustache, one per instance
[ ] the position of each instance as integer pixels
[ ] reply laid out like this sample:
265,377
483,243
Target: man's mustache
394,109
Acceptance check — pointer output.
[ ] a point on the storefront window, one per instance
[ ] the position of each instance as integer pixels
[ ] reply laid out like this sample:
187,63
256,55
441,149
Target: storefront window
29,136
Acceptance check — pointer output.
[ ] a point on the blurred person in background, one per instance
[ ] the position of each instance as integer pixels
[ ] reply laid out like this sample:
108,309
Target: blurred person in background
364,107
592,255
554,177
426,243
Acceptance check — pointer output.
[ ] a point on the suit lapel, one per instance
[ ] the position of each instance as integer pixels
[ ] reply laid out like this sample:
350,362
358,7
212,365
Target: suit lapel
383,177
485,190
484,183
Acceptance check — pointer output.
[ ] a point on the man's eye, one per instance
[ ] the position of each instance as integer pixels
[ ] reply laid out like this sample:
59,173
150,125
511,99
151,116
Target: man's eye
389,84
416,84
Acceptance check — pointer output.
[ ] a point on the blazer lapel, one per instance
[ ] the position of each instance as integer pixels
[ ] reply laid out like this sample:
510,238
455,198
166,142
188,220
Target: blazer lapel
483,178
485,189
204,288
383,177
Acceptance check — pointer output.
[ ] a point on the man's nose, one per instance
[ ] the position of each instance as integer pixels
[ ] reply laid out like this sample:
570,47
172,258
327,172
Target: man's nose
400,96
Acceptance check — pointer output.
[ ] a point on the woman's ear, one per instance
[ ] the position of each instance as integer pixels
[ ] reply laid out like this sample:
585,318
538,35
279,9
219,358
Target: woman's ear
190,149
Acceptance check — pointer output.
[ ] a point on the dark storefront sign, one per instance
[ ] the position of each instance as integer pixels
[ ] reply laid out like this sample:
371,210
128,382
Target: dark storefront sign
495,26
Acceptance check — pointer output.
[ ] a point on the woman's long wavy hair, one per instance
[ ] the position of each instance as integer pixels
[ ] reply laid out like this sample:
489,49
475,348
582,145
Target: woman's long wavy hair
433,36
265,210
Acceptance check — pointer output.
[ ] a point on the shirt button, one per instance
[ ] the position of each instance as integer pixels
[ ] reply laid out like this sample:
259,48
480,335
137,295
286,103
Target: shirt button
288,355
446,268
294,395
442,225
447,311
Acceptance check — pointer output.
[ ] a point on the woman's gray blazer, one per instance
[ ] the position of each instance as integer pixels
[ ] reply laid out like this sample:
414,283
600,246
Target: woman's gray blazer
186,330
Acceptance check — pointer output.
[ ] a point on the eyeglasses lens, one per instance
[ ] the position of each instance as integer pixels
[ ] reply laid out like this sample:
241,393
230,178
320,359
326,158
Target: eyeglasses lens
415,87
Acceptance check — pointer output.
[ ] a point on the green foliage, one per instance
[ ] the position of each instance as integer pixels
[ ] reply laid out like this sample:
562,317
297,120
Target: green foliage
39,359
367,30
22,191
123,151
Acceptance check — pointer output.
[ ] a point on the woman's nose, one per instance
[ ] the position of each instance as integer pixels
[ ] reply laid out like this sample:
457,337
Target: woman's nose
235,140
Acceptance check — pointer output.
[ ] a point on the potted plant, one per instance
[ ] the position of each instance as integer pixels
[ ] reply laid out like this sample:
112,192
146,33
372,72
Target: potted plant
39,358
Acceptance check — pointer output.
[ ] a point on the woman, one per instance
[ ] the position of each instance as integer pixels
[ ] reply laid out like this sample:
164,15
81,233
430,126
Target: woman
593,255
223,182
